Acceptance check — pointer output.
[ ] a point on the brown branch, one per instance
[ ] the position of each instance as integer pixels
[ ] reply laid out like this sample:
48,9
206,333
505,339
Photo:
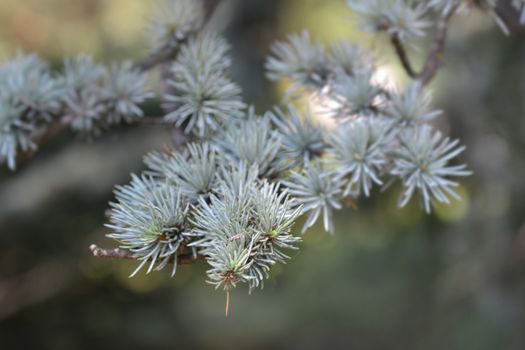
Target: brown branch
403,56
117,253
434,59
156,58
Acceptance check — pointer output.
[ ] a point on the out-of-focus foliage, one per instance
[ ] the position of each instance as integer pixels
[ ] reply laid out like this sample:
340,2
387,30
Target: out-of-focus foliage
202,96
29,99
96,97
149,220
86,96
173,22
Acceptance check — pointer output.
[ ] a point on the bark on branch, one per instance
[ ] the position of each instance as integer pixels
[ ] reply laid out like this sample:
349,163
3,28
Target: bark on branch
434,59
117,253
403,56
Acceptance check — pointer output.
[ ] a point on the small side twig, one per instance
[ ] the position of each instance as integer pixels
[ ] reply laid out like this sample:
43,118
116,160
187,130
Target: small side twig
403,56
117,253
401,52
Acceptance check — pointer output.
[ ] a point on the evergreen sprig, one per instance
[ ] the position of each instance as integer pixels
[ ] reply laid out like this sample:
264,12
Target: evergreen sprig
173,22
96,96
243,228
317,191
360,153
193,171
149,219
248,177
422,163
253,141
233,194
403,18
300,59
202,97
412,106
302,138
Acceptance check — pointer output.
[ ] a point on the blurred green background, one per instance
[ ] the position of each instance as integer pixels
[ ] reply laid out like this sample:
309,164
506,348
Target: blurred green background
388,279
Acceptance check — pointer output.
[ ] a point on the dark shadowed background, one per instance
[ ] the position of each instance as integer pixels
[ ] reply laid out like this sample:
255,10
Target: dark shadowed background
388,278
